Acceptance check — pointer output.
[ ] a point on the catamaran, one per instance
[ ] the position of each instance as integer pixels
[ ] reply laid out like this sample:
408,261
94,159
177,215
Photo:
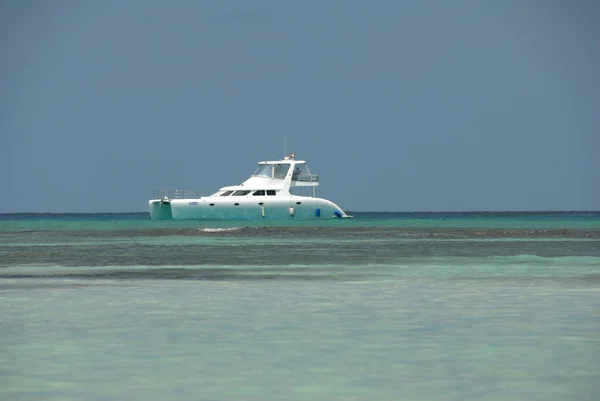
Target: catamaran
269,194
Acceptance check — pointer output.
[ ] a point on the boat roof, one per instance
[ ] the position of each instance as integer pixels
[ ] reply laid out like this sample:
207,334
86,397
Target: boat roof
287,159
282,161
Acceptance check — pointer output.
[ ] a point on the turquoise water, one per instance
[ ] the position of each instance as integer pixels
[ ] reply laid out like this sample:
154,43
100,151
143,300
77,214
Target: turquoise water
384,306
119,221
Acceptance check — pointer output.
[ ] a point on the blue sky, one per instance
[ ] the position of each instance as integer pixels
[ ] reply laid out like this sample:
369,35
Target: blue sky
398,105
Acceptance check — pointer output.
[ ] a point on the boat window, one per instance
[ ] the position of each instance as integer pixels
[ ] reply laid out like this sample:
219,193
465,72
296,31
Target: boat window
260,192
281,170
264,170
302,173
226,193
270,192
240,193
297,171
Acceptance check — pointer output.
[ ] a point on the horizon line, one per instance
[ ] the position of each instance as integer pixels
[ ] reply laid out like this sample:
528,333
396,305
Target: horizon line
350,211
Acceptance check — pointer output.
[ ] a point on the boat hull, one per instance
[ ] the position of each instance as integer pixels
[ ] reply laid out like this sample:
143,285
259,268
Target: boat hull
293,208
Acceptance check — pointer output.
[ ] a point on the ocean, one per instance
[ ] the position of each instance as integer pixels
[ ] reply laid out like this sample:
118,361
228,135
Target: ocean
384,306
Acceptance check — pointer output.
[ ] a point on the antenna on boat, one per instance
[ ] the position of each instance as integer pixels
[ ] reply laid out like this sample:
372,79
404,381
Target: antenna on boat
284,146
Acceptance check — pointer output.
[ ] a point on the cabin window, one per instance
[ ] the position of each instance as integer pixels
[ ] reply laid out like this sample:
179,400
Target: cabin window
281,170
297,172
270,192
302,173
264,170
260,192
226,193
240,193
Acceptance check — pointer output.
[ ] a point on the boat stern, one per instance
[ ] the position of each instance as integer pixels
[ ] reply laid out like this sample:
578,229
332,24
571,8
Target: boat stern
160,209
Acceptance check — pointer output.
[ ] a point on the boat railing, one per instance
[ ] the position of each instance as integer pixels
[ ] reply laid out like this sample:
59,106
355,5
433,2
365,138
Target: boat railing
306,177
178,193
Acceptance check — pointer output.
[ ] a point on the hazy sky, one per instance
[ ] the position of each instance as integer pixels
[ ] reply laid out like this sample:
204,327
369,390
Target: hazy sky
398,105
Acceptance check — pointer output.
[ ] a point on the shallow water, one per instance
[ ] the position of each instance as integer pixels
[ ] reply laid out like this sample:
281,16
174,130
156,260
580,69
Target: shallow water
399,307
